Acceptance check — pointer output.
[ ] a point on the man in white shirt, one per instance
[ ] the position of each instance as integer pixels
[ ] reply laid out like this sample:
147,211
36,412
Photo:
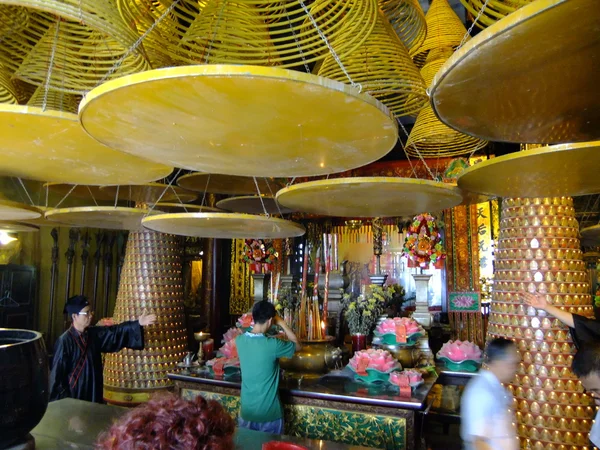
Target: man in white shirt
586,365
487,420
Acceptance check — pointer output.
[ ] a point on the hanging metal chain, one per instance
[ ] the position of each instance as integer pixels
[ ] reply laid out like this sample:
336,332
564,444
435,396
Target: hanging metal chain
330,47
468,33
205,189
296,40
137,43
418,152
164,192
260,197
273,195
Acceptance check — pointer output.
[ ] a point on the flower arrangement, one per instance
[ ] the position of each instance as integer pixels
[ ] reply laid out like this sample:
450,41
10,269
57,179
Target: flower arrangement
287,299
259,251
423,244
231,334
459,351
362,313
245,322
380,360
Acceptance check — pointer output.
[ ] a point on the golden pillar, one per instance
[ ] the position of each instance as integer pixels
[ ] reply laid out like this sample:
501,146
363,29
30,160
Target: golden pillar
539,251
151,283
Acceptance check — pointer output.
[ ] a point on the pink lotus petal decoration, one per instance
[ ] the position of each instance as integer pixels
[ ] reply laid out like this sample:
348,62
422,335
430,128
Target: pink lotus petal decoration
227,362
245,321
458,351
229,349
231,334
406,377
380,360
388,326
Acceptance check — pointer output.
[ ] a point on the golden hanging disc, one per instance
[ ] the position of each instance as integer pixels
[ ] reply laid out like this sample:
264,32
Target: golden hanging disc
228,184
369,196
253,204
531,77
559,170
223,225
150,193
240,120
472,198
102,217
18,227
167,207
590,236
52,146
80,191
12,211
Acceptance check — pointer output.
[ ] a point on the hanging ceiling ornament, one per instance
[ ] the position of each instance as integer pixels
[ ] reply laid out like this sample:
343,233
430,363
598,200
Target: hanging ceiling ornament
79,191
490,11
150,193
429,137
408,20
590,236
228,184
369,196
282,34
166,207
224,225
531,77
565,169
444,30
253,204
86,39
102,217
382,67
220,119
13,211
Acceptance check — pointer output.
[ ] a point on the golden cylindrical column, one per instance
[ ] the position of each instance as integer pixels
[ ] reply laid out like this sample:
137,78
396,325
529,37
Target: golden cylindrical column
538,251
150,283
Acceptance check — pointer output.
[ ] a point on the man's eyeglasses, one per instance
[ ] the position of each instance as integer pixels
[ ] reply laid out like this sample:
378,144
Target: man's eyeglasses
85,313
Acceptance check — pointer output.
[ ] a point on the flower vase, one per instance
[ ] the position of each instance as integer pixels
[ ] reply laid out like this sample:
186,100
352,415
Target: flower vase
359,342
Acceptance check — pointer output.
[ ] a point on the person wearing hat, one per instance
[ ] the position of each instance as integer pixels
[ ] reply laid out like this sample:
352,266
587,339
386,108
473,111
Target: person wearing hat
77,364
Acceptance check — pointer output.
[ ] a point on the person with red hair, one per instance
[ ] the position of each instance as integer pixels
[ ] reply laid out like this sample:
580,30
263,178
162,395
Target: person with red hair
168,422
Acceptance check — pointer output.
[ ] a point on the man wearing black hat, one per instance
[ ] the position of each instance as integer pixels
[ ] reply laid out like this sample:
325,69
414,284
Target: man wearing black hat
77,365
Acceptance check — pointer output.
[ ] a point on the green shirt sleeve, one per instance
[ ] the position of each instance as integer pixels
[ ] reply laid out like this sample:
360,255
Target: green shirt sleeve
284,349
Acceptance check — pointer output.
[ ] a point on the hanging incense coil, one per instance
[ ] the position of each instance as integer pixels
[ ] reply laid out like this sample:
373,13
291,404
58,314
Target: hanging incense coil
382,67
8,91
150,283
429,137
54,100
256,33
408,20
538,251
71,45
493,11
444,30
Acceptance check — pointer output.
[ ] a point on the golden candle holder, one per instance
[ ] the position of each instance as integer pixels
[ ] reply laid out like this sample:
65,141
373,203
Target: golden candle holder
201,337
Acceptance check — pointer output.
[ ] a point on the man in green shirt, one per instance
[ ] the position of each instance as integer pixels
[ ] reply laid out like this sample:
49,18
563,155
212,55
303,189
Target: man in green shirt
259,361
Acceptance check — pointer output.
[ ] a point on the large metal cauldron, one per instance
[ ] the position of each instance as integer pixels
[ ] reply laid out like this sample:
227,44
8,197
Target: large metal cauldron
23,384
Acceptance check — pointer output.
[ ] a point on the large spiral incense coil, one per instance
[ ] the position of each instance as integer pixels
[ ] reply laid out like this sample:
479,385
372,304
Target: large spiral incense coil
493,11
151,283
382,67
79,43
444,29
8,91
429,137
408,20
253,32
163,28
54,100
538,251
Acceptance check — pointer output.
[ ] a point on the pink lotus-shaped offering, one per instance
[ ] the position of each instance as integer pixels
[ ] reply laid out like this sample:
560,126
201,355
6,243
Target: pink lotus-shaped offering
245,321
388,326
458,351
406,378
227,362
231,334
380,360
229,349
